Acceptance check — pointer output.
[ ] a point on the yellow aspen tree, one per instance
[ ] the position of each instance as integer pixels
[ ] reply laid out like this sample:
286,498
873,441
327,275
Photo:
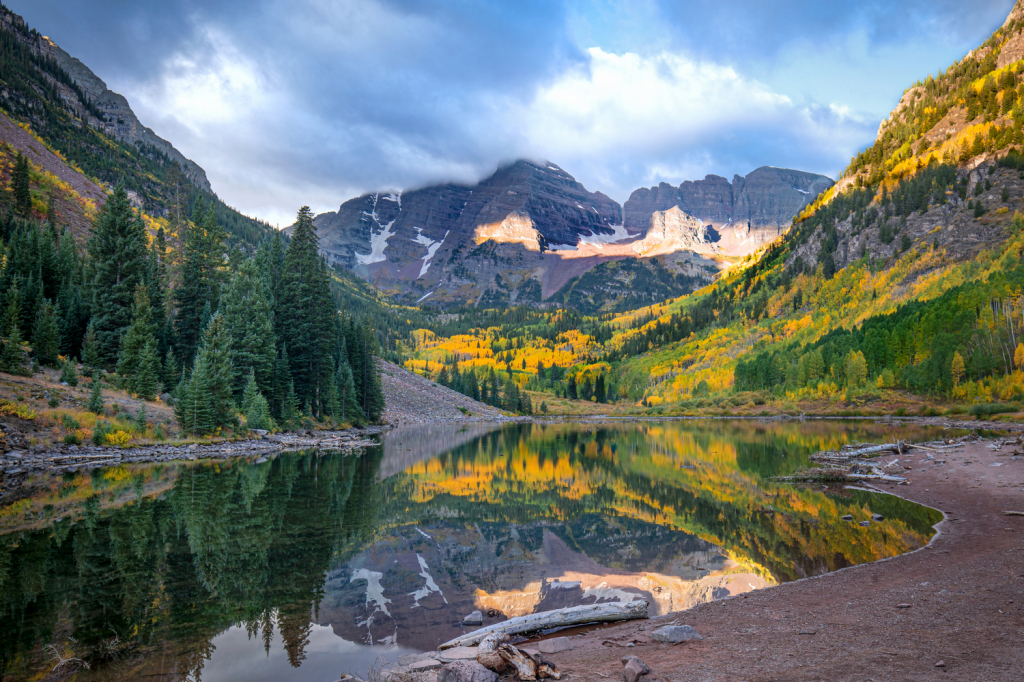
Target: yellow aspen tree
1018,355
957,369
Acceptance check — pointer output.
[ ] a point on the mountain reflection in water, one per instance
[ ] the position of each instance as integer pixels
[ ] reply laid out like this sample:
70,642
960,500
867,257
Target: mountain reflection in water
190,569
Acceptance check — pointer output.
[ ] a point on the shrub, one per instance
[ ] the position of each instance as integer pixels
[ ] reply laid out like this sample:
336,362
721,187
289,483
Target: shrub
988,409
53,401
68,374
119,438
99,432
16,410
72,439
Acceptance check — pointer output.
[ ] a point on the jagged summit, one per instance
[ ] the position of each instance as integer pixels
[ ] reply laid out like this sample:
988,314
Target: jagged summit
520,234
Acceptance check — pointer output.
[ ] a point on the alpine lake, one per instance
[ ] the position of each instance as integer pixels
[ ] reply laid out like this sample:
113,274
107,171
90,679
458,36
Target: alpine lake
311,564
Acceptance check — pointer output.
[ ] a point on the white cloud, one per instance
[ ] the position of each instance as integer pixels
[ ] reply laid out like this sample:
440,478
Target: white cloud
644,103
668,117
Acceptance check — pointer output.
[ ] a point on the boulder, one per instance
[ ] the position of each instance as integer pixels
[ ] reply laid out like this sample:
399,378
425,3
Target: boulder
423,664
633,668
877,517
465,671
674,634
475,618
554,645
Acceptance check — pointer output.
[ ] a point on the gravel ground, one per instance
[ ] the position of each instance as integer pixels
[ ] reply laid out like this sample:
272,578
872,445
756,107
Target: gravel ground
411,399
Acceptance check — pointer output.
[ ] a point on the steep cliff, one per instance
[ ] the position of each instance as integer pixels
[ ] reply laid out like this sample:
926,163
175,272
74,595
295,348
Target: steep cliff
529,232
760,206
88,98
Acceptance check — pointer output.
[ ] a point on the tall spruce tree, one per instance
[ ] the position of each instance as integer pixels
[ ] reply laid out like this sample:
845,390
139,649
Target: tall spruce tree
118,254
201,275
45,339
90,348
305,313
138,343
215,359
193,407
249,318
345,385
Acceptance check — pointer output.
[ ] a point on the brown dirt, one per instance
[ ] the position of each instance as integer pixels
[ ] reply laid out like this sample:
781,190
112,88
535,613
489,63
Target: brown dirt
965,593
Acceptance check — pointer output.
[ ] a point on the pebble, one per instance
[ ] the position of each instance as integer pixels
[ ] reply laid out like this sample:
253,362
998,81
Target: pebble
865,523
903,606
847,517
940,664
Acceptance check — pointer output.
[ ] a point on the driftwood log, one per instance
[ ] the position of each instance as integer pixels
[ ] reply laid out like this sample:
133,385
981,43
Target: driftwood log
487,653
528,667
574,615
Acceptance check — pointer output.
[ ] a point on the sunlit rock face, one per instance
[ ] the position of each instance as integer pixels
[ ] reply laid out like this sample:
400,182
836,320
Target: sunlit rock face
522,234
759,206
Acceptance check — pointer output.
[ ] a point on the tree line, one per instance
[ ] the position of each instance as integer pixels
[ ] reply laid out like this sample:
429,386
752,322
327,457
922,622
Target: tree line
260,336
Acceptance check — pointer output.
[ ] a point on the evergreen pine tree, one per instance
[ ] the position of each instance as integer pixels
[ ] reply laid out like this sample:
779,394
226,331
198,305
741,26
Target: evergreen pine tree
45,337
442,378
20,185
12,314
291,412
257,416
68,375
249,318
14,355
193,407
90,347
202,262
147,382
215,358
346,387
140,419
570,387
118,254
171,371
599,390
250,392
136,341
95,403
305,312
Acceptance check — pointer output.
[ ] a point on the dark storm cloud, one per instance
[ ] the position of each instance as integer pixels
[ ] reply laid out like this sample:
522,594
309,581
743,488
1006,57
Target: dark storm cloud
286,102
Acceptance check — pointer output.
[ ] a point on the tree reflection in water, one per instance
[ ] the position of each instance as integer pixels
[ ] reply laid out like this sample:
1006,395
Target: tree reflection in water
135,570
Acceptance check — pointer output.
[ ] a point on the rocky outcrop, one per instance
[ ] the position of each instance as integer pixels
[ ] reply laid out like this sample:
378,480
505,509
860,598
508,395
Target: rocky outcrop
522,234
118,120
766,199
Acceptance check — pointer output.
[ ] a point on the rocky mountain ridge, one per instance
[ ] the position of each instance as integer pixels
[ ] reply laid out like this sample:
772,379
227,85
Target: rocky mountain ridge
116,116
524,233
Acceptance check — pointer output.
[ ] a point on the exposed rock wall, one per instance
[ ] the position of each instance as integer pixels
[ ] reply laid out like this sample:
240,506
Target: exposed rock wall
766,199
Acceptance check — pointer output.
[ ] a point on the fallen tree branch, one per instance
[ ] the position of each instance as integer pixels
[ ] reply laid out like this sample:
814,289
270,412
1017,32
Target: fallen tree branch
574,615
1013,513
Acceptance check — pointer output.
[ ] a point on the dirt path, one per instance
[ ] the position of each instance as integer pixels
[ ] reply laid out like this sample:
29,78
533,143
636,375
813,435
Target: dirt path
964,597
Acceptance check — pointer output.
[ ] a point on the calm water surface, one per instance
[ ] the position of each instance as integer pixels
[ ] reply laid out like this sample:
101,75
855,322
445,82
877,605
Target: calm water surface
313,564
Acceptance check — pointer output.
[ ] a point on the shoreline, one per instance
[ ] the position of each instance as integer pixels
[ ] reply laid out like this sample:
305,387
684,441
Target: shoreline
953,609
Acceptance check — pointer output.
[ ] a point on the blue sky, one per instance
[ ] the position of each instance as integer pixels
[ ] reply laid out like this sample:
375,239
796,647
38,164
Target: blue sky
292,102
